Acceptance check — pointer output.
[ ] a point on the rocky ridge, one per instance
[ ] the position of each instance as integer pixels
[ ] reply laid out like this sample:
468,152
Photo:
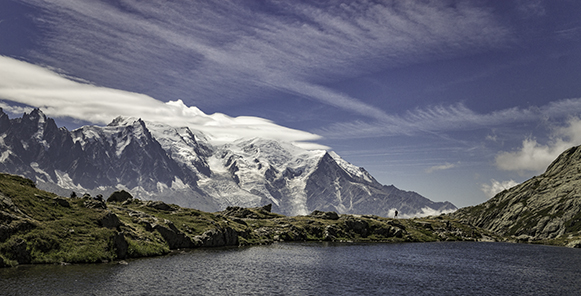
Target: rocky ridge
545,208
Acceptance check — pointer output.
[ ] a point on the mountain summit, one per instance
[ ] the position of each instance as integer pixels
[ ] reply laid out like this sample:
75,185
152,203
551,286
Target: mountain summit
178,165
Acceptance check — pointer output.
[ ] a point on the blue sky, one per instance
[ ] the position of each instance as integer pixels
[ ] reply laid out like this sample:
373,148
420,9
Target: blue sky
451,99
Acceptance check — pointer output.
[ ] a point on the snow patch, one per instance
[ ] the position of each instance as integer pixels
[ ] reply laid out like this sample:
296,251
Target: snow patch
38,170
178,184
351,169
65,181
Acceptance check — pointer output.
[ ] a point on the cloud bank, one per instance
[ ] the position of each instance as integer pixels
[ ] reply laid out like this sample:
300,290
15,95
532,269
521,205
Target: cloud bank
535,157
496,186
58,96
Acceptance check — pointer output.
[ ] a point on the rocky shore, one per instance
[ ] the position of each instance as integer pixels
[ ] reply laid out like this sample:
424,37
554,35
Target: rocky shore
41,227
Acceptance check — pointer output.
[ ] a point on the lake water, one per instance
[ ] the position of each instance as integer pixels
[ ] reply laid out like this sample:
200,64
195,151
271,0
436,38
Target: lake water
459,268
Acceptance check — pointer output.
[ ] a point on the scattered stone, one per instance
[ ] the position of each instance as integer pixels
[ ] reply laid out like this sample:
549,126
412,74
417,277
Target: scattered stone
95,204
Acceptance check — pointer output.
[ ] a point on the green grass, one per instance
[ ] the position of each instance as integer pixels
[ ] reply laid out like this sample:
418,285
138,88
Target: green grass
55,233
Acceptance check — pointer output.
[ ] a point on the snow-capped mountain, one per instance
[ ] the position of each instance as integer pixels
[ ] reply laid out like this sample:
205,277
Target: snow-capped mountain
179,165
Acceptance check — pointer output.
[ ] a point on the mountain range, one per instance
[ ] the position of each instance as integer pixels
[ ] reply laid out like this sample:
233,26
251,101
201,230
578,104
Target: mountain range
155,161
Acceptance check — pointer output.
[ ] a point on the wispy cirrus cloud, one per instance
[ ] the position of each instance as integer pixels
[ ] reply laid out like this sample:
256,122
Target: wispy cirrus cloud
441,119
218,52
441,167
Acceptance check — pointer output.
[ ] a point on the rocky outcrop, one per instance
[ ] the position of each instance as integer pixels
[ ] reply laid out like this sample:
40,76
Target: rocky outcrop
51,233
109,220
120,196
17,250
173,236
218,237
263,212
324,215
159,205
544,207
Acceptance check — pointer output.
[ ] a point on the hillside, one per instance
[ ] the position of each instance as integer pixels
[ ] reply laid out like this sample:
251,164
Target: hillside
545,208
40,227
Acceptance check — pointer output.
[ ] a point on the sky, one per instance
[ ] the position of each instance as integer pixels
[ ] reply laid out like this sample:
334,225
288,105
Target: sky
455,100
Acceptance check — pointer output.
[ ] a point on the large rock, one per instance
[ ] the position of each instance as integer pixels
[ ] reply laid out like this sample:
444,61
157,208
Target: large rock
218,238
95,204
120,245
159,205
109,220
119,196
17,250
324,215
173,236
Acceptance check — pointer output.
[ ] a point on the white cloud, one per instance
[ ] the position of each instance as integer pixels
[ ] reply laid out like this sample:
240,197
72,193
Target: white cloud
536,157
496,186
441,167
223,51
58,96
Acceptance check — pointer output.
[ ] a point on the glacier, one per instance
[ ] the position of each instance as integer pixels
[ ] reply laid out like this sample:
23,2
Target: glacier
154,160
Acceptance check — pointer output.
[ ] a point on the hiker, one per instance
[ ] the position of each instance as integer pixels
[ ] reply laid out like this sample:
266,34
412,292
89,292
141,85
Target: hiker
395,216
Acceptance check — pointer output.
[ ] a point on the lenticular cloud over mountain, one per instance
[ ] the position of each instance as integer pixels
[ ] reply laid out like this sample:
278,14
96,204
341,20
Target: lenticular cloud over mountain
61,96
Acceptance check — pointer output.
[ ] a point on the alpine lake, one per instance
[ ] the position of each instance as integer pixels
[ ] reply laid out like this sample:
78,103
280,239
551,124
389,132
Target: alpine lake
318,268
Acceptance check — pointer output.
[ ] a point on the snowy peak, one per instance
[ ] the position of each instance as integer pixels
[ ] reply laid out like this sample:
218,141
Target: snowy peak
179,165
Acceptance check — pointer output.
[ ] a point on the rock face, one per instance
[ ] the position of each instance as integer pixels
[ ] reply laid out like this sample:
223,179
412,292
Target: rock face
153,161
545,207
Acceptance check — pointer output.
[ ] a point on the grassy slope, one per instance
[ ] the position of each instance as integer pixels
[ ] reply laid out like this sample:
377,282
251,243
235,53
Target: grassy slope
41,227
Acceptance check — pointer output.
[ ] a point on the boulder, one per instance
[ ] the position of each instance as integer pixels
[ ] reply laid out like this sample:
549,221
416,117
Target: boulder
159,205
61,202
120,245
18,251
267,208
109,220
218,238
120,196
331,232
357,225
95,204
174,238
238,212
324,215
